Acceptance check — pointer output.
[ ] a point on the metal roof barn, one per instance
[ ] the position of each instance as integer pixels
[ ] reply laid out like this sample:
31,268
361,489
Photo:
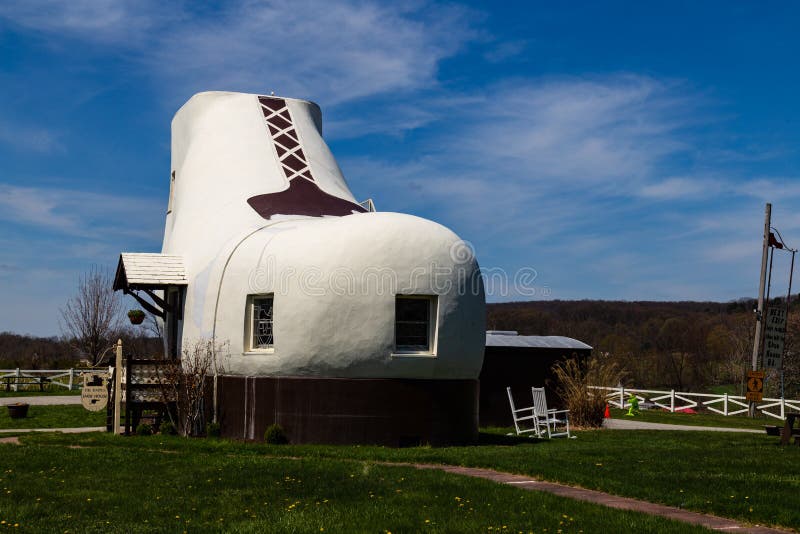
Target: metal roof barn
520,362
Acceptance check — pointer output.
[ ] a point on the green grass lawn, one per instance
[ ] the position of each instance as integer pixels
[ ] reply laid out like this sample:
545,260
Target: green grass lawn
698,419
67,416
743,476
101,483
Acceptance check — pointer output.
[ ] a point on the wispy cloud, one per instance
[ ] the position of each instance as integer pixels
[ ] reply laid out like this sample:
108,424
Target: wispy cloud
334,52
80,213
356,49
680,187
118,22
30,138
546,153
580,130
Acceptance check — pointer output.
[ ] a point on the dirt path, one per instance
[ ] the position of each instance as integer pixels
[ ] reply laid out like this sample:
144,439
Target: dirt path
78,430
625,424
603,499
42,400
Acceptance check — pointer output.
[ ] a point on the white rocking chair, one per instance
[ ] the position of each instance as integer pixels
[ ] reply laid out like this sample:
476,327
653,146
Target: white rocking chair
549,421
523,417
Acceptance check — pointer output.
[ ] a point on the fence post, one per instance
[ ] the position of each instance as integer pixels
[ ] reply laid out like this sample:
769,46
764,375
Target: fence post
71,375
117,388
783,408
622,397
16,380
672,401
725,405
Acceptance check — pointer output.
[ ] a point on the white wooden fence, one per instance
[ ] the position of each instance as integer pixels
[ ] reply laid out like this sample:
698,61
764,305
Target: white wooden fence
14,379
675,401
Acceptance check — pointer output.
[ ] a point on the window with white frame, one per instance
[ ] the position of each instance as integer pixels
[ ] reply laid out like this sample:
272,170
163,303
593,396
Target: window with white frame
260,308
415,323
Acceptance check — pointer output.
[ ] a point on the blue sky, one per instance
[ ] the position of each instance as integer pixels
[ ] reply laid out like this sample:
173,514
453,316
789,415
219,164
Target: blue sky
623,150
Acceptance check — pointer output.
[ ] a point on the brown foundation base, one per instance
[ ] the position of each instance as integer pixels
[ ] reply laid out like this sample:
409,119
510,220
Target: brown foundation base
394,412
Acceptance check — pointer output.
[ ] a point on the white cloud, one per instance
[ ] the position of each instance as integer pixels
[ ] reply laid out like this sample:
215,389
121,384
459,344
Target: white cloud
771,189
580,130
119,22
680,187
541,157
80,213
26,137
332,51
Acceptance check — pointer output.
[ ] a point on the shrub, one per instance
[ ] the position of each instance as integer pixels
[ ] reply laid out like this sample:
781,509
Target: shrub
168,428
213,430
275,435
143,429
574,376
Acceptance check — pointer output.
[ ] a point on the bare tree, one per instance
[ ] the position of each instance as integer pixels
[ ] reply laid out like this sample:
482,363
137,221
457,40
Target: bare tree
91,318
154,326
185,382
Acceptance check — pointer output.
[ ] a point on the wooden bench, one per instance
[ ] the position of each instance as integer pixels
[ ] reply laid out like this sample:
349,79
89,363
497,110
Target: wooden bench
789,430
18,381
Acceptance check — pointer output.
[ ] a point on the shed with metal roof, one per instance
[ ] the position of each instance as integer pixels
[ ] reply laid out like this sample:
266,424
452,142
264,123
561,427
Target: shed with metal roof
520,362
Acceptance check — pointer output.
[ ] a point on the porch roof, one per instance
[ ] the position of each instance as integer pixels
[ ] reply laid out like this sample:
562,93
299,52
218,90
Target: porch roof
142,270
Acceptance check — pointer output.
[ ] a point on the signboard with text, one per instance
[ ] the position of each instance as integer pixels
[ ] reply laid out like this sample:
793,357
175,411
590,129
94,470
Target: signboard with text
755,386
774,334
94,395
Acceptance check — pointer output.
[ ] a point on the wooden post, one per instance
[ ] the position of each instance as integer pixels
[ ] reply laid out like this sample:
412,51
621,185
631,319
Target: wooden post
117,388
16,380
71,377
672,401
128,382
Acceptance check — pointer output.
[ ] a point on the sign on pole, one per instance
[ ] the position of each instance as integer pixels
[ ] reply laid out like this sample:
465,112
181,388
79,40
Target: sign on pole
755,386
774,334
94,395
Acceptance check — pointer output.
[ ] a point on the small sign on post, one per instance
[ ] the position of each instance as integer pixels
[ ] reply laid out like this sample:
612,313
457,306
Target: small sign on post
774,334
755,386
94,396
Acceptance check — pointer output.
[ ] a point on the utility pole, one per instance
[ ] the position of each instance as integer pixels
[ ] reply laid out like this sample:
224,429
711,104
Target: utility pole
761,288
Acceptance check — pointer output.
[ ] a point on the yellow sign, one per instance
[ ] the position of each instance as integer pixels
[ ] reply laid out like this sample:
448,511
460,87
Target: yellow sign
94,396
755,386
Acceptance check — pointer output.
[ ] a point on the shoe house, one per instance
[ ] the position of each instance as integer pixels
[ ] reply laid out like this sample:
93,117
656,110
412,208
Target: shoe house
342,324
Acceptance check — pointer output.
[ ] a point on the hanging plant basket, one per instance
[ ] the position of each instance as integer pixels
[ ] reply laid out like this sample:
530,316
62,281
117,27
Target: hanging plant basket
136,316
18,410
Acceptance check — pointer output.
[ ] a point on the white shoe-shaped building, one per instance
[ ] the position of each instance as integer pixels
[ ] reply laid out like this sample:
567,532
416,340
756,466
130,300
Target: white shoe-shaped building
342,324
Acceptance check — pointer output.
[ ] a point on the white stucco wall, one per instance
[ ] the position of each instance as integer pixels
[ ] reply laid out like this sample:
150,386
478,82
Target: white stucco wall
334,279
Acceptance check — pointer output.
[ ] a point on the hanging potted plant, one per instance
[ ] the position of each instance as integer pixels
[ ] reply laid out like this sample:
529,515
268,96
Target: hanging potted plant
18,410
136,316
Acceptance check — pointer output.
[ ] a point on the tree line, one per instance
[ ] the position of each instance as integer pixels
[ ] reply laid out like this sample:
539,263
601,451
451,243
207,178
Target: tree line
688,346
91,322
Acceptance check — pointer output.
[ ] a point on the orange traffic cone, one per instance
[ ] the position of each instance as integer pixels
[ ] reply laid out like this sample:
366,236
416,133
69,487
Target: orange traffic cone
607,413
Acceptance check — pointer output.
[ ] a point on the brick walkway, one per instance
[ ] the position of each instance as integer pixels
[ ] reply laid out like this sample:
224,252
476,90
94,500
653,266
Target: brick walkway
78,430
604,499
632,424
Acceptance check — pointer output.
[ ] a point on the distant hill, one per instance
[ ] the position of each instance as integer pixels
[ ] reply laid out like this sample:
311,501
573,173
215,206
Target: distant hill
669,344
588,319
